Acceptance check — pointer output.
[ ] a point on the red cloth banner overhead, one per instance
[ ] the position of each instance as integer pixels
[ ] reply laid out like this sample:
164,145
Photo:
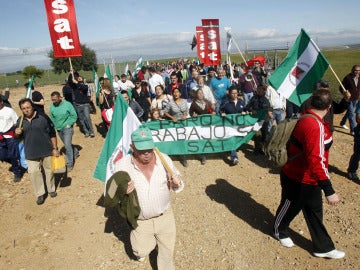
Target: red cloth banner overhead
63,28
212,42
201,50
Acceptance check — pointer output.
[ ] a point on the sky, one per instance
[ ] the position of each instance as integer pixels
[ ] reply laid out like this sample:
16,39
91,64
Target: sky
126,30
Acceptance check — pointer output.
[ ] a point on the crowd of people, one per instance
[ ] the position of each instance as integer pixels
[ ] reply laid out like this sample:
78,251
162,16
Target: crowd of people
175,92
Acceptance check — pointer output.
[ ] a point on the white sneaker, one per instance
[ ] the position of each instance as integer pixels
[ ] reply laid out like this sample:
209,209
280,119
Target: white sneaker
235,161
334,254
141,259
344,127
287,242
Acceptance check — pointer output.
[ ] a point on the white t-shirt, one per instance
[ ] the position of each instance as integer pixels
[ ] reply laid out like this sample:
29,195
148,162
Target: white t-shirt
125,85
8,119
154,81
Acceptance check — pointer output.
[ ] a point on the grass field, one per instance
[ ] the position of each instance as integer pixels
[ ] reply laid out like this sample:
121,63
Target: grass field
340,60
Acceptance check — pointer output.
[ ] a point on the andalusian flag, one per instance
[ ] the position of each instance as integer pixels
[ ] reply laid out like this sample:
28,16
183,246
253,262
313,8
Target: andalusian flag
108,74
126,68
304,65
29,88
118,139
139,64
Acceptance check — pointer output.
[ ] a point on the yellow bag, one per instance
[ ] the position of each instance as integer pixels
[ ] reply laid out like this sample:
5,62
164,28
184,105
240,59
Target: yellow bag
58,164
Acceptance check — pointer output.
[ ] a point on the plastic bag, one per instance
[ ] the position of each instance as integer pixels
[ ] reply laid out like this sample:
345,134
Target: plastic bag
58,164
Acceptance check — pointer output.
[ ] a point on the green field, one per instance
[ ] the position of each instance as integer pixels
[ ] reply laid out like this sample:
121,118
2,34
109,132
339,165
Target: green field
340,60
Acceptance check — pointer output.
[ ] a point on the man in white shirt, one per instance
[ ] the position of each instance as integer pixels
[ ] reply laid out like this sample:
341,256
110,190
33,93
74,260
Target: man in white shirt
125,84
9,146
153,183
155,79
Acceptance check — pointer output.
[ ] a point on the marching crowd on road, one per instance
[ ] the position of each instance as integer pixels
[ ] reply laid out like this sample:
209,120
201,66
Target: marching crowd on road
175,92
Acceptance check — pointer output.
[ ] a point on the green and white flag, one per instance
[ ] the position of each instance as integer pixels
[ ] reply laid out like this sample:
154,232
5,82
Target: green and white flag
28,93
108,74
118,139
126,68
138,64
205,133
304,65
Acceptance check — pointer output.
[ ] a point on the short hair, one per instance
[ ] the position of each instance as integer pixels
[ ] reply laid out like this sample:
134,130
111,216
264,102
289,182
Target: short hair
55,93
124,92
24,100
321,99
321,85
123,75
151,69
354,67
233,87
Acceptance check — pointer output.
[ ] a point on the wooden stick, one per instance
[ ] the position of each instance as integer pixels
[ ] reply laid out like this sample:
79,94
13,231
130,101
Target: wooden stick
342,86
21,121
164,162
71,67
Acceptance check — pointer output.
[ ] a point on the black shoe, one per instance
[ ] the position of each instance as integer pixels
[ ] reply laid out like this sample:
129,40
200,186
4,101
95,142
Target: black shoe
92,135
40,200
17,179
353,176
203,160
53,194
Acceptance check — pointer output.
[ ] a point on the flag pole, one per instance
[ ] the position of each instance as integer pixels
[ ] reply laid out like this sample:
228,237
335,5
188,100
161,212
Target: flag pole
71,67
241,54
342,86
164,162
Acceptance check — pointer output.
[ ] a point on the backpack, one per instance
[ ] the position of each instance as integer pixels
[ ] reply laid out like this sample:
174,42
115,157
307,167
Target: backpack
275,147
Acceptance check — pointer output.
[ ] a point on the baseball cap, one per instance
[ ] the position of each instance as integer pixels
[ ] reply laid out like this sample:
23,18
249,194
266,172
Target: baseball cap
142,139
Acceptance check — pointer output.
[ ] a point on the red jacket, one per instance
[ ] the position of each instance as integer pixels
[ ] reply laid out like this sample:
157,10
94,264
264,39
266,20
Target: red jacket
315,138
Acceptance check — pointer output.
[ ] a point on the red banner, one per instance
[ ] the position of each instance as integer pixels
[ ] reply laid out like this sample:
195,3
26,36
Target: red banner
63,28
201,52
212,42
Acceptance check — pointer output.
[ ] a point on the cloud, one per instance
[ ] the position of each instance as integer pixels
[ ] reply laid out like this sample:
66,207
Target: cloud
156,46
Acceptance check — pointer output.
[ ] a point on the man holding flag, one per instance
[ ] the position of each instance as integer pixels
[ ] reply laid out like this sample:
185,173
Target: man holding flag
153,176
305,177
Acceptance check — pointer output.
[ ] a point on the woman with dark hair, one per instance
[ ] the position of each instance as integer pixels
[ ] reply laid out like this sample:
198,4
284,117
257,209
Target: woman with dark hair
161,100
141,95
200,106
106,100
177,109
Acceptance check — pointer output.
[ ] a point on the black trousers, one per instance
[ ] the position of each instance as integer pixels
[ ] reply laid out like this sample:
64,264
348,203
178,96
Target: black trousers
296,197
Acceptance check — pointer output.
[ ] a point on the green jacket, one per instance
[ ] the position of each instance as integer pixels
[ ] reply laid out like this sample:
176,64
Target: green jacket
63,114
127,204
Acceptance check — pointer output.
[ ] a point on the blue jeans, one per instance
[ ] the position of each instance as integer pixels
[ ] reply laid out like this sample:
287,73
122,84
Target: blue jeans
247,97
350,115
71,152
278,116
83,112
233,155
9,152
